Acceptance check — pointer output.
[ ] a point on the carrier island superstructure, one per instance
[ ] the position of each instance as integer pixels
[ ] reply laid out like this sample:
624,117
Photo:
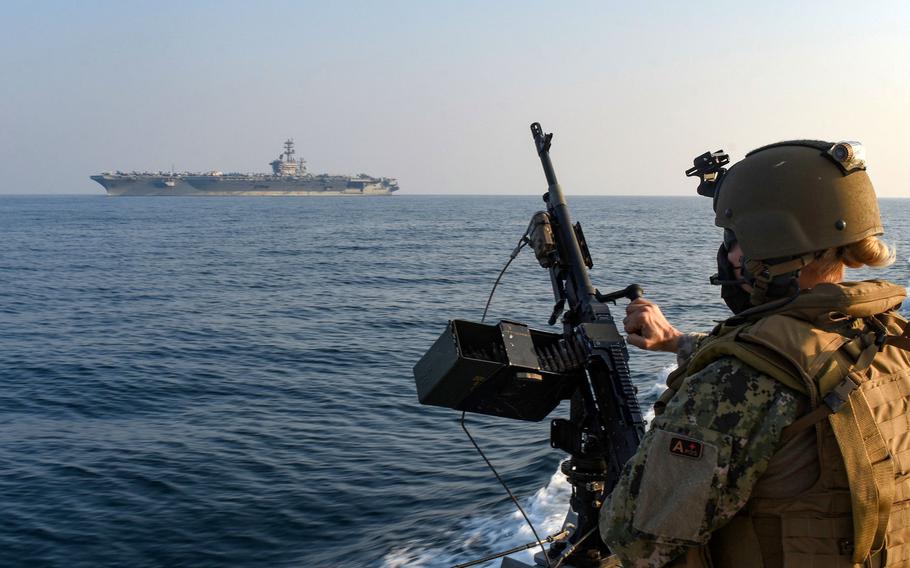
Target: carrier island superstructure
288,177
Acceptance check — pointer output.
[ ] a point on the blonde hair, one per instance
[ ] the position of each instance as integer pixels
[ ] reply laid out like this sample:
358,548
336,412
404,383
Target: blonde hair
829,265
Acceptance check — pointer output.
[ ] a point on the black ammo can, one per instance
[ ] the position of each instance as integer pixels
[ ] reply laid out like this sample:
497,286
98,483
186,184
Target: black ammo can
503,370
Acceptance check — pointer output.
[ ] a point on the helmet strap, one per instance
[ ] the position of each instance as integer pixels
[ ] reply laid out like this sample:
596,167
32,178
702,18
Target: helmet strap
772,280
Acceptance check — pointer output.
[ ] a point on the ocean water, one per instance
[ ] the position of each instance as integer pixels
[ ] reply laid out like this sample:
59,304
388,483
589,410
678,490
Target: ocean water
227,382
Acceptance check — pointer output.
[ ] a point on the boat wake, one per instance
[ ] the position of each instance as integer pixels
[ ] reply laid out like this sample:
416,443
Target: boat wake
480,536
648,395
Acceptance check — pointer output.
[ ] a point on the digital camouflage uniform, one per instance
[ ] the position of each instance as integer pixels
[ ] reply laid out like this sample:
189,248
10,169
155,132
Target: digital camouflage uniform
699,461
785,439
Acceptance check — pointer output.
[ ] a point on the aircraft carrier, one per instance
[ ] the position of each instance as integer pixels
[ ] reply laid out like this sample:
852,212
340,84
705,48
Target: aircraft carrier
288,177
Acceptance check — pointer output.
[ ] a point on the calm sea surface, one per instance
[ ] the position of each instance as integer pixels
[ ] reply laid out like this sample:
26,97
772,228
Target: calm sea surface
227,382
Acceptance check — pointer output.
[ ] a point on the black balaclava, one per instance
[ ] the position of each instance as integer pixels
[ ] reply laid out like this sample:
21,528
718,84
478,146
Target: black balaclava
731,290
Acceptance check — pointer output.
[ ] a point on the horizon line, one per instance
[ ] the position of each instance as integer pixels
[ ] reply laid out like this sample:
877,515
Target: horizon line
695,196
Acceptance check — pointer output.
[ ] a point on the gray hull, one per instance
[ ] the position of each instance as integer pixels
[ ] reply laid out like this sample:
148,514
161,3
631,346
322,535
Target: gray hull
118,185
214,185
289,177
303,185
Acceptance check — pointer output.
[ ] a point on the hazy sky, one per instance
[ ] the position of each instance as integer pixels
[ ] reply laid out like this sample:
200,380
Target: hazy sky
440,94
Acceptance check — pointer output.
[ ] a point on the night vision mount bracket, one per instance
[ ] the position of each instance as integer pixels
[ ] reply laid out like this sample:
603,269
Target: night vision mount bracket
709,167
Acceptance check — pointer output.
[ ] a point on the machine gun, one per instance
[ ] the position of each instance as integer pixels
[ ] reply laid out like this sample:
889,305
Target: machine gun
512,371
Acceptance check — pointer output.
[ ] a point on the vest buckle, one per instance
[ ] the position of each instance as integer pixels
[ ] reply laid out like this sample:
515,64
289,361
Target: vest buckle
840,394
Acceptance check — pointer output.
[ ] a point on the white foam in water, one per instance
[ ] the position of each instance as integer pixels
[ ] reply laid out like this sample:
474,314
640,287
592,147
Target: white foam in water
408,558
546,509
653,391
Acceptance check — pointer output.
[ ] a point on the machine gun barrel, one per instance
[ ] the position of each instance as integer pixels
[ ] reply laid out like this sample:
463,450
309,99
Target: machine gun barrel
605,424
579,290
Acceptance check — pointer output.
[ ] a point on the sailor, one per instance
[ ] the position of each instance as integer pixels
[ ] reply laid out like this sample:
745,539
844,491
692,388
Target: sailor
784,436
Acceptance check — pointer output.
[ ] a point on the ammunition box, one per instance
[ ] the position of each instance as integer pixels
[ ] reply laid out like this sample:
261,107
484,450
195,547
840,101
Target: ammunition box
503,370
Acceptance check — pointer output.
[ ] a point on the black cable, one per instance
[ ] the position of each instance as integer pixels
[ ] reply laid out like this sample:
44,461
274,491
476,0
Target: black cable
506,487
521,244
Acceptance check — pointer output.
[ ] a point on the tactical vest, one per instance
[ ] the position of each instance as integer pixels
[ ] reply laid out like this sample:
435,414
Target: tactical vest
837,490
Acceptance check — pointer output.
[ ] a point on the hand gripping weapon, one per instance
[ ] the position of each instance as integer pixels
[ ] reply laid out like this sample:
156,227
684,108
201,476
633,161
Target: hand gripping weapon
512,371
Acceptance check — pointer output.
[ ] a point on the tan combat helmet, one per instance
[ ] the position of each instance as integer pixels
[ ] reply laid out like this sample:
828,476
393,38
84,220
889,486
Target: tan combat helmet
786,202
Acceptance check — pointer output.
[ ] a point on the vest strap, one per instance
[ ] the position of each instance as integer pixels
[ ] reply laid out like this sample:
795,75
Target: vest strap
804,422
872,346
870,472
870,469
898,341
901,341
834,401
883,338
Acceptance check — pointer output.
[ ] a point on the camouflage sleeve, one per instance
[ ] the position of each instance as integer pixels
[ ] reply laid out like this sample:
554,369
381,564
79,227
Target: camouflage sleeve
698,463
688,345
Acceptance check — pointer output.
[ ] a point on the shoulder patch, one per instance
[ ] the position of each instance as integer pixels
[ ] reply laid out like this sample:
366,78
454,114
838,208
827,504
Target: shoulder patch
677,493
686,448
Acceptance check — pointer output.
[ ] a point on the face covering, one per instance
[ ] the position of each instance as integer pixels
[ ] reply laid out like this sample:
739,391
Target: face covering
731,290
